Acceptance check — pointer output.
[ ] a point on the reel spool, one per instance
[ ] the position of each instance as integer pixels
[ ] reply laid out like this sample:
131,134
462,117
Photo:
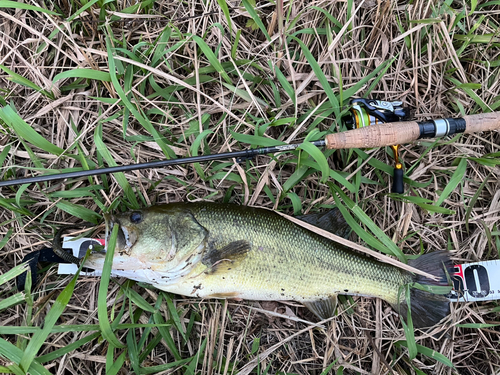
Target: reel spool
366,112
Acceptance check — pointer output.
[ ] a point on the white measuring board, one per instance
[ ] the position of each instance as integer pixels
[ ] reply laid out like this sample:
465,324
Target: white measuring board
79,247
478,281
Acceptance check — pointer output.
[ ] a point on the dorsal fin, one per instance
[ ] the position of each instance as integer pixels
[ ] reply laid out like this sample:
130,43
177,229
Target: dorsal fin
323,308
331,221
226,257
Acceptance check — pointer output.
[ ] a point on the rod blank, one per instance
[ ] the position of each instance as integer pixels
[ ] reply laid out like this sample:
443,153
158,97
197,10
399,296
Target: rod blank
379,135
239,155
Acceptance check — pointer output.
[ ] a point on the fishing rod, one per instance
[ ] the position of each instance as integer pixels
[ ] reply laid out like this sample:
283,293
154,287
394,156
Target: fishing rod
377,124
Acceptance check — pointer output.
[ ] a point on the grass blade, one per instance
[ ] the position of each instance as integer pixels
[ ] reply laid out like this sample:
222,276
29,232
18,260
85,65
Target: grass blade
133,351
83,73
67,349
71,328
295,178
19,5
50,320
195,148
225,10
82,9
174,315
361,232
430,353
79,211
102,307
13,273
165,367
214,61
478,325
24,131
11,301
113,367
253,13
120,177
165,334
438,210
256,140
317,155
456,178
14,77
388,245
138,300
296,202
286,85
138,116
6,239
245,95
377,72
408,327
321,77
14,354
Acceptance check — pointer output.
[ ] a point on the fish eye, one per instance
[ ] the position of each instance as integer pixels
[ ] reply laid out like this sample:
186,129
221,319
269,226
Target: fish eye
135,217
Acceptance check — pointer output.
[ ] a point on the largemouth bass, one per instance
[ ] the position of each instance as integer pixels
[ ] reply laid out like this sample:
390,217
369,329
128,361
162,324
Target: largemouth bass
210,250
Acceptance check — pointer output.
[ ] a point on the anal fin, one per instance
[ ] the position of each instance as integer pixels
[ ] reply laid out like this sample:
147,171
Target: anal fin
226,257
323,308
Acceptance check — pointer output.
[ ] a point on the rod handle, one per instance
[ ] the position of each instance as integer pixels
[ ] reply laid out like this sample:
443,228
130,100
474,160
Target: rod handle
482,122
396,133
379,135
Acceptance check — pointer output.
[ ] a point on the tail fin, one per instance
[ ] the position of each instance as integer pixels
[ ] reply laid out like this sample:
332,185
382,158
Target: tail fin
427,309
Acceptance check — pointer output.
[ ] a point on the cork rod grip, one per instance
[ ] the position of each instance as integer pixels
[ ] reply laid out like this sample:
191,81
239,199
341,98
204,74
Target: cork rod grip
482,122
388,134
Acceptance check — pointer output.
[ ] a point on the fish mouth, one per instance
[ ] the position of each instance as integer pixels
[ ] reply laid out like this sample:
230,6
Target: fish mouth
126,238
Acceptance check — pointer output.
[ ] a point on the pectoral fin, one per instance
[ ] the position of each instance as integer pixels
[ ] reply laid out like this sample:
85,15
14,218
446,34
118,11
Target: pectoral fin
323,308
227,257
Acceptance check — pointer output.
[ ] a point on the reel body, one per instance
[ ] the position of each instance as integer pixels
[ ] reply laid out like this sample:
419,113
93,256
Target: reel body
366,112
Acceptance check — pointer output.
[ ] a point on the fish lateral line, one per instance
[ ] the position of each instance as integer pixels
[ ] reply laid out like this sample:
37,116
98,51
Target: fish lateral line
353,245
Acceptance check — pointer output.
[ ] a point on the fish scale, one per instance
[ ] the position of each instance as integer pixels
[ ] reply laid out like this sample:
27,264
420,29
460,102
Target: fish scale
210,250
285,256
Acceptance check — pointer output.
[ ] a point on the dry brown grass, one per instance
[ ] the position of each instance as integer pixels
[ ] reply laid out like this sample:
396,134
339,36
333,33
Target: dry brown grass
429,68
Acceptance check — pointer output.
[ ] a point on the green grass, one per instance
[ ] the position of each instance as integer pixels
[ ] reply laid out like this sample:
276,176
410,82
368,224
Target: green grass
229,79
